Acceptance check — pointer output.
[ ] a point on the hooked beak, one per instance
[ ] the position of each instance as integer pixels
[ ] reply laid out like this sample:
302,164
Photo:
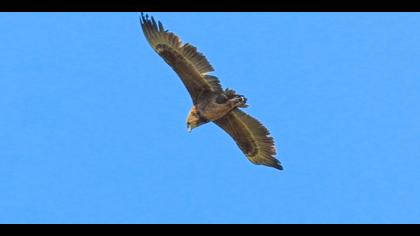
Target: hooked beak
189,128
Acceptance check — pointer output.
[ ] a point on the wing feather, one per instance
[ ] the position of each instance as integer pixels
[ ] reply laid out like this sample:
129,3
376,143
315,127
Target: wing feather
252,138
190,65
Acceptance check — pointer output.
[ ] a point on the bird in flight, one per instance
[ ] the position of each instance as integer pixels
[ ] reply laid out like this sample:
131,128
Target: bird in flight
211,103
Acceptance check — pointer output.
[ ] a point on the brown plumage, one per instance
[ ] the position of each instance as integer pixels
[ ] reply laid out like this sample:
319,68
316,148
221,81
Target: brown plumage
210,101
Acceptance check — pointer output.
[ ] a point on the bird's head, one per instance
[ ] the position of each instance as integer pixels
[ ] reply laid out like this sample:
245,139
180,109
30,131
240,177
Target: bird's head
194,119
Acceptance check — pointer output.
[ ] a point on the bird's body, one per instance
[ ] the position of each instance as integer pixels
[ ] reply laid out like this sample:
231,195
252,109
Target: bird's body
213,106
210,102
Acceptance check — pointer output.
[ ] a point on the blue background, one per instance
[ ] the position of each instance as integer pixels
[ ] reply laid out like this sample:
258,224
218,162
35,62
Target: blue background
92,122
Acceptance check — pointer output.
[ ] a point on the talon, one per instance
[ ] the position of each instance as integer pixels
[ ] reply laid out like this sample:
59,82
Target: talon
239,101
243,105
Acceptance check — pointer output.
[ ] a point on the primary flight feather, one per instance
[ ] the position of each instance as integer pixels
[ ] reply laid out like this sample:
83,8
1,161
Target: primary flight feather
210,102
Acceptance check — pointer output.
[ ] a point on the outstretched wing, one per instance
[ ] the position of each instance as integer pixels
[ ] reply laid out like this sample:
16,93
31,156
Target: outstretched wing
191,66
251,136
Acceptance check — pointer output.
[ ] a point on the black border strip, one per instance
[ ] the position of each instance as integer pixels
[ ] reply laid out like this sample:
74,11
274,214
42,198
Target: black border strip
210,5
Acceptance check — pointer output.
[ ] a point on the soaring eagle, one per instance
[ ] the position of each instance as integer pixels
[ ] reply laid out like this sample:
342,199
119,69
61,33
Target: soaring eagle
210,101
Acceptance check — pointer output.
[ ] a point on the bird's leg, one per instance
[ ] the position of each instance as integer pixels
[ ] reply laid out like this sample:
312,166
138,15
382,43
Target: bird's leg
238,101
235,100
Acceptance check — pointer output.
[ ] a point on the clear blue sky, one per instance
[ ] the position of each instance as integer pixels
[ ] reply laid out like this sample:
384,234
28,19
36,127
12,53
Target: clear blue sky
92,123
